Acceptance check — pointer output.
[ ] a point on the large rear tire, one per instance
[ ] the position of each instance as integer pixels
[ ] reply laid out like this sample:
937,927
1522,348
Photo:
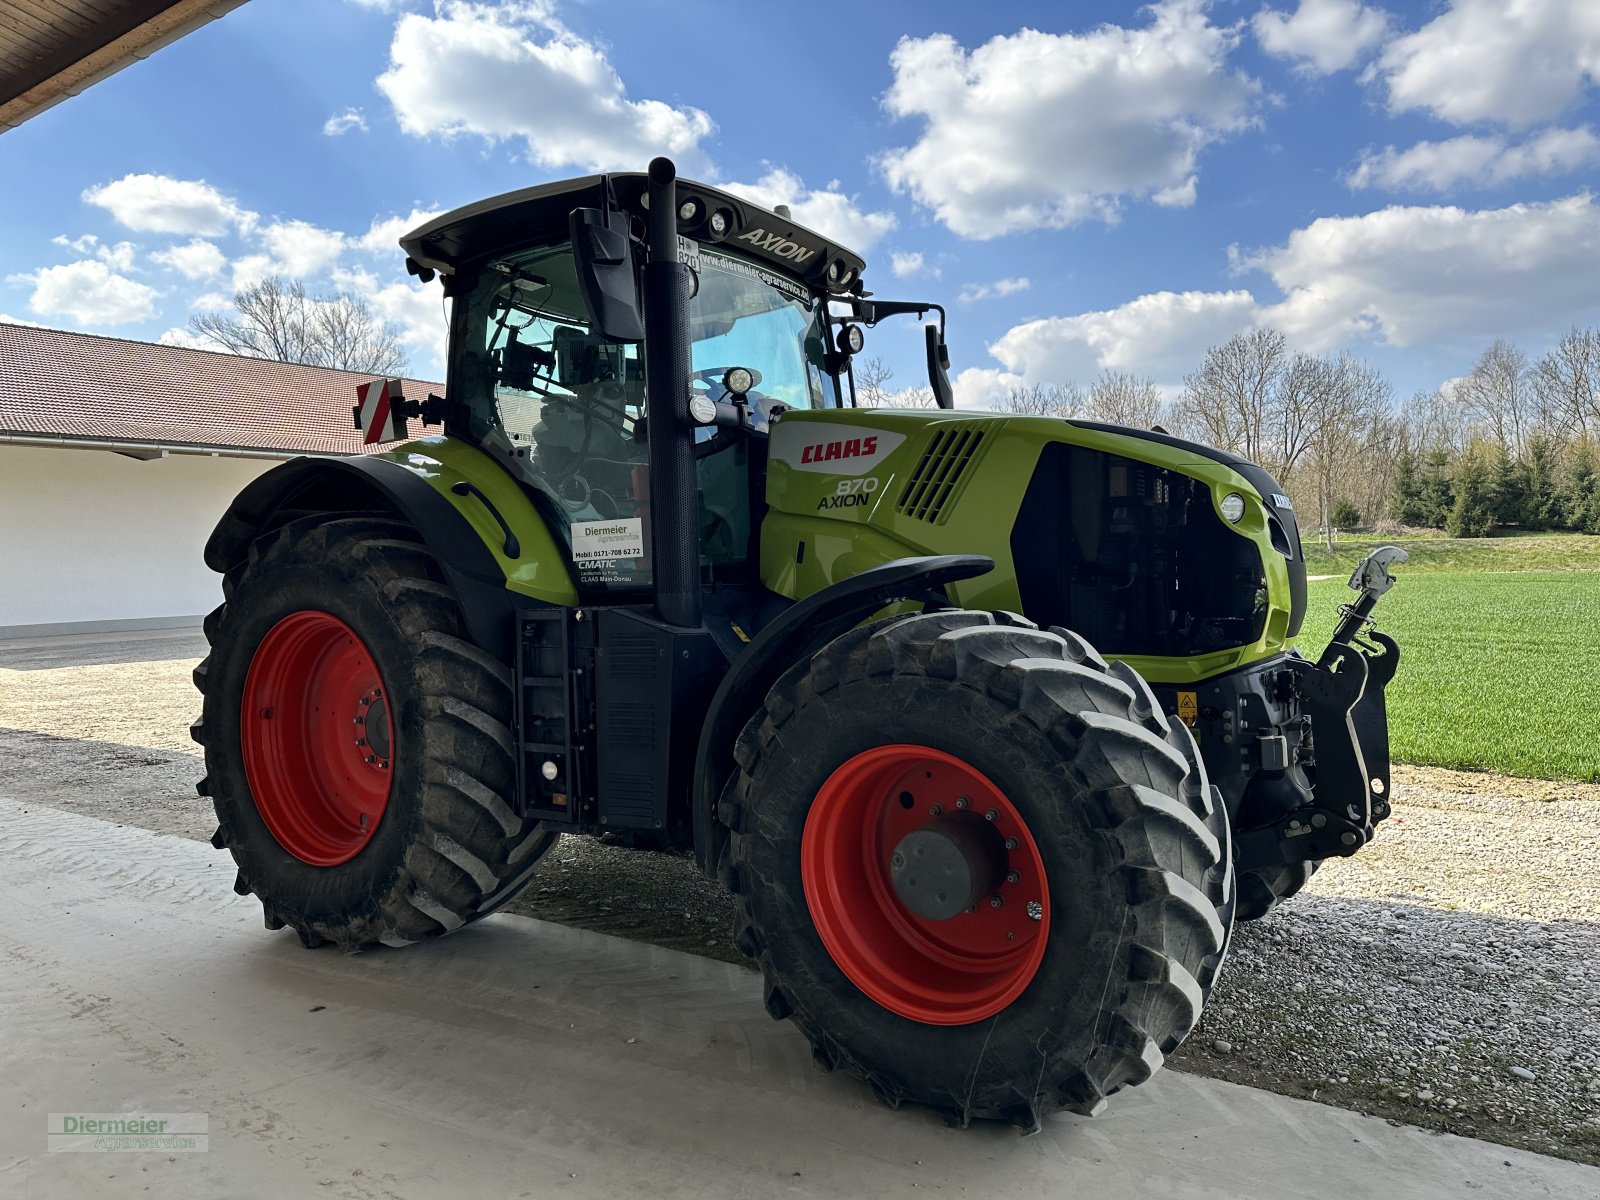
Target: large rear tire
358,745
1107,848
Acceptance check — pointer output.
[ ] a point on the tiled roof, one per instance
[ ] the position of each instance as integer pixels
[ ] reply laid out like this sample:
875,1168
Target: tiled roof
81,385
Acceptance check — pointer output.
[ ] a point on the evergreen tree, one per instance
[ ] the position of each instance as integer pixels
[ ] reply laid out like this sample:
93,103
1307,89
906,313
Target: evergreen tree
1472,515
1510,485
1543,507
1436,498
1405,504
1577,493
1345,514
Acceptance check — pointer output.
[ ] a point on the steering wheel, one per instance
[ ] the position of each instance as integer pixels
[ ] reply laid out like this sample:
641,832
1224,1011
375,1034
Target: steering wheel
713,375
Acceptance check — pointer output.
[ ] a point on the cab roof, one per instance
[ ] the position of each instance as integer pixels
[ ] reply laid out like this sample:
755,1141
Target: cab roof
533,215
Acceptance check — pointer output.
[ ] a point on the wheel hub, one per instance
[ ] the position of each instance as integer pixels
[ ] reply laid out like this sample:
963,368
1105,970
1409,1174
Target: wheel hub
925,884
947,867
317,738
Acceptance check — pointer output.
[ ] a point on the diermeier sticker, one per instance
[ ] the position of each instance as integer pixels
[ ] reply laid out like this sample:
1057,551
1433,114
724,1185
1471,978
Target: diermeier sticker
831,449
602,541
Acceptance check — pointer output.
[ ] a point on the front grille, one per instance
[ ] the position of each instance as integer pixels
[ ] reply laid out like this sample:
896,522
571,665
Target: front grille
936,481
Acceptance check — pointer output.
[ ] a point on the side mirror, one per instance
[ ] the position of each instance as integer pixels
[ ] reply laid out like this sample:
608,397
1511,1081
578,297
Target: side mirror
602,252
939,368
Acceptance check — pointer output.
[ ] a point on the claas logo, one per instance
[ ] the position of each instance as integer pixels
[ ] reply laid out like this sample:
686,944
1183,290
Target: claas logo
847,448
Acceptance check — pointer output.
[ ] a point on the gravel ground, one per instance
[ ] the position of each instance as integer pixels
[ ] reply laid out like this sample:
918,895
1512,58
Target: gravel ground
1448,976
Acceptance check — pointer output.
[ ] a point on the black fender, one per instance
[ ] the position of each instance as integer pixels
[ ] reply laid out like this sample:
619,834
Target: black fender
306,486
793,636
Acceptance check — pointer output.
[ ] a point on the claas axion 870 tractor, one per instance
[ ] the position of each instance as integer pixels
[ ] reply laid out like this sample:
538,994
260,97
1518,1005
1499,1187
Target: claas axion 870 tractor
991,722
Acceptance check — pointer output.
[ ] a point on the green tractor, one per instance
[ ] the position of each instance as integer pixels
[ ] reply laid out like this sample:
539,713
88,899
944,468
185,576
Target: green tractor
992,723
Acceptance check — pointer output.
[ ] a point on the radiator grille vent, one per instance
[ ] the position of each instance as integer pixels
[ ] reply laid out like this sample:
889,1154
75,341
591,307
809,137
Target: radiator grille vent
935,482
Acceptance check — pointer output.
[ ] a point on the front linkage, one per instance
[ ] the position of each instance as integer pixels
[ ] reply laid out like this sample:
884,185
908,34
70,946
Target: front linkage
1346,737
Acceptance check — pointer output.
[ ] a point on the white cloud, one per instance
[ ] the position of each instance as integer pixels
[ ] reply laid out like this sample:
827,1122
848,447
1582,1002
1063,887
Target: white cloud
195,259
1403,276
1039,130
383,236
1414,274
118,257
911,264
983,387
1515,62
8,319
160,204
417,308
252,269
1162,335
350,118
1324,35
301,248
828,211
179,336
988,291
514,71
1475,161
88,292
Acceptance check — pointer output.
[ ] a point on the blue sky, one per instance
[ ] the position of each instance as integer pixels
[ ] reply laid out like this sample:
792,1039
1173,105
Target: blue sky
1087,185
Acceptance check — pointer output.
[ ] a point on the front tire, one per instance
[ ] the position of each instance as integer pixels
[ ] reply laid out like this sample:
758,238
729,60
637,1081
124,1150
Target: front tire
1110,854
358,745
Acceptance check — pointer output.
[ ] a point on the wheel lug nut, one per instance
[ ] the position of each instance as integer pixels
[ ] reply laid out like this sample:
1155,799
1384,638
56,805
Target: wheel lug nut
1011,843
996,901
937,810
992,815
1013,876
963,802
372,758
384,763
361,741
361,720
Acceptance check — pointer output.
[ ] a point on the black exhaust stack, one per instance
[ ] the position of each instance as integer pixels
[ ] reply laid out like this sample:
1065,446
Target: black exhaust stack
674,504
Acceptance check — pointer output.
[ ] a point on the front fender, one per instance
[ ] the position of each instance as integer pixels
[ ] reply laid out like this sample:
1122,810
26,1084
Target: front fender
796,634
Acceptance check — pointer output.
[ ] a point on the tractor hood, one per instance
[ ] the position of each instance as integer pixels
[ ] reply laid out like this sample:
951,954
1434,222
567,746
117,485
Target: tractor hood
539,214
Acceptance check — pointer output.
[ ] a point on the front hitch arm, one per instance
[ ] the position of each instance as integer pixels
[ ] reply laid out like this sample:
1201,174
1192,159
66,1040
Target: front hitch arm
1343,694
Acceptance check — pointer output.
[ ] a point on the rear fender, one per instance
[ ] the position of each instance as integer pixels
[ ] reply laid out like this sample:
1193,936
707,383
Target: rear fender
492,573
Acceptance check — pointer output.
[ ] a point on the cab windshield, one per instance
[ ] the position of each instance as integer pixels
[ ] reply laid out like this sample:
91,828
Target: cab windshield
742,316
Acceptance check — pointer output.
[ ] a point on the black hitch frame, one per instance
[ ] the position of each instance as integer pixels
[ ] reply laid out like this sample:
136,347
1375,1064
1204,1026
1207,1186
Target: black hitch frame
1343,695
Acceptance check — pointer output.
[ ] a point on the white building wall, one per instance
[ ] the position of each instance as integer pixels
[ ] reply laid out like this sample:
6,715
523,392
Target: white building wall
89,538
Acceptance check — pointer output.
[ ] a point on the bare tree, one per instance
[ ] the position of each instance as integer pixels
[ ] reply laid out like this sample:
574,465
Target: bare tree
1233,398
1434,421
276,318
1499,395
1566,382
872,378
1042,400
1343,397
1120,398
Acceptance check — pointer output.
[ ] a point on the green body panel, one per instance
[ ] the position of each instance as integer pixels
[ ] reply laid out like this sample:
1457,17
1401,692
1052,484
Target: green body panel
541,570
829,519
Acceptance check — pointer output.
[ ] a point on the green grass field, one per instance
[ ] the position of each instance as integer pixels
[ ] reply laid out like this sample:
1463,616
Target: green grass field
1536,552
1494,669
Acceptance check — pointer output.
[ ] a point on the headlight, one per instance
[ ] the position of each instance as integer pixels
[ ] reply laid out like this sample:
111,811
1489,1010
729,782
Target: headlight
1233,506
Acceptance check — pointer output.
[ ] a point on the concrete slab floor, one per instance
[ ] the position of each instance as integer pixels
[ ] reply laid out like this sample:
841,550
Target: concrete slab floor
520,1058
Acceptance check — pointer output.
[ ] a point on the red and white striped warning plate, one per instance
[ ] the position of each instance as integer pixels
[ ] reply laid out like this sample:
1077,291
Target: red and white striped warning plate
377,411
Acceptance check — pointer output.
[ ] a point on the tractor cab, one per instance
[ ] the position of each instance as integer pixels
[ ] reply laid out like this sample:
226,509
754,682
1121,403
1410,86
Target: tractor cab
548,366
